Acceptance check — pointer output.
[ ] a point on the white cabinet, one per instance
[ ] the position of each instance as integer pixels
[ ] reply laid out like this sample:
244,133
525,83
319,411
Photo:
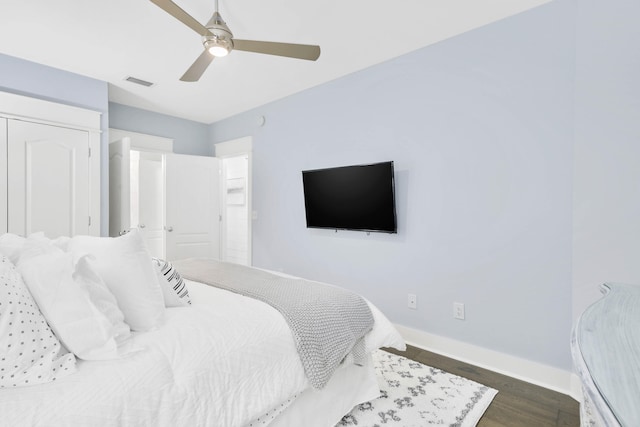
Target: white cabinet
173,199
52,179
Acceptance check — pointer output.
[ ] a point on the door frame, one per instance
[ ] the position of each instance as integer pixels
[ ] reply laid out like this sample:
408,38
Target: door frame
119,186
235,148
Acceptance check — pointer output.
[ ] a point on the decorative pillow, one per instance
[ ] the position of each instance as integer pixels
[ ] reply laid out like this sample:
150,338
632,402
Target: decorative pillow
123,263
66,303
29,352
174,289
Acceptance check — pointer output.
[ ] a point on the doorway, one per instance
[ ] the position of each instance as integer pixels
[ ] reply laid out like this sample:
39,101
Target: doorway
173,199
236,213
148,199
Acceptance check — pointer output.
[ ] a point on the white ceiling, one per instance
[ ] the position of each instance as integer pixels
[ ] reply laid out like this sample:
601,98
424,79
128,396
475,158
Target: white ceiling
112,39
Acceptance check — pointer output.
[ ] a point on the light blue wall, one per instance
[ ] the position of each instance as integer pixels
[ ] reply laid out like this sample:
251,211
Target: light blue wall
606,226
39,81
481,130
189,137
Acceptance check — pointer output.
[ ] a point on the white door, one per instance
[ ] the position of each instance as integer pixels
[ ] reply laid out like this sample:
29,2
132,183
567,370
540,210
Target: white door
147,199
48,179
192,206
3,176
119,188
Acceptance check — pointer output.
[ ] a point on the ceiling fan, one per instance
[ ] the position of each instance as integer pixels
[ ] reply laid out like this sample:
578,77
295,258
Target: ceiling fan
219,41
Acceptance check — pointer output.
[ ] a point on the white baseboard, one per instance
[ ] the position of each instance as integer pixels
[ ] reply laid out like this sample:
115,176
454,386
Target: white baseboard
526,370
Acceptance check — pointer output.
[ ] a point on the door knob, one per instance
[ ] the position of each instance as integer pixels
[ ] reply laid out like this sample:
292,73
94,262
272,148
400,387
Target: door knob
169,229
142,226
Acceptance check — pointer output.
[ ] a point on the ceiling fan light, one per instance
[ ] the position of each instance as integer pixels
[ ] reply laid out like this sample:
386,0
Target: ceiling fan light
218,46
218,51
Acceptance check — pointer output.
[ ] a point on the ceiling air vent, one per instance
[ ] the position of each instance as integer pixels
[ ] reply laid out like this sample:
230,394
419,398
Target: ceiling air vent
139,81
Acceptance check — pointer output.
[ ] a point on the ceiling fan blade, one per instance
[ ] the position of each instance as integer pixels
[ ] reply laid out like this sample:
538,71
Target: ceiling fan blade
196,70
291,50
174,10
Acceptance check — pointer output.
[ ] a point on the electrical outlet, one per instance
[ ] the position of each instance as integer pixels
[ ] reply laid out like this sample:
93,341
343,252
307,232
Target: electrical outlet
458,310
412,301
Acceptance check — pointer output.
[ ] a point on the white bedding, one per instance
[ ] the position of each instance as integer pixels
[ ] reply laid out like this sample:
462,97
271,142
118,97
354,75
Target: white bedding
224,361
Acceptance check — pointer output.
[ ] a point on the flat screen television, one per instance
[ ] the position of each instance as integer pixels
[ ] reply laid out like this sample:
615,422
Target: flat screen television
359,197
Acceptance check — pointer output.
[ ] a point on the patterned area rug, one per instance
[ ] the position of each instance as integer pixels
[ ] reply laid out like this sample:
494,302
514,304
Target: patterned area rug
413,394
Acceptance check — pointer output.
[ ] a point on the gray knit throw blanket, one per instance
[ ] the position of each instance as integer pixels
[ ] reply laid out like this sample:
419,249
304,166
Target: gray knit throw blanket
328,323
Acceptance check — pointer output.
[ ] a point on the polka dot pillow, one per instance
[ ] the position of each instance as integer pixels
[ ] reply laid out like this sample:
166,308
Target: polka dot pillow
29,351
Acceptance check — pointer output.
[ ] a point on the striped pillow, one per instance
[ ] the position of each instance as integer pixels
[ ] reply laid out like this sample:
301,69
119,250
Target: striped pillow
174,289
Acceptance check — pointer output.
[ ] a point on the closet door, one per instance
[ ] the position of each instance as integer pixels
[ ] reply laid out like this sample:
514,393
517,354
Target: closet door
3,175
192,206
48,179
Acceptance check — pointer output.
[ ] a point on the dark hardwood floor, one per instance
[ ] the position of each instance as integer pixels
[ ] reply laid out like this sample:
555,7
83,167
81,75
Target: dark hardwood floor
517,404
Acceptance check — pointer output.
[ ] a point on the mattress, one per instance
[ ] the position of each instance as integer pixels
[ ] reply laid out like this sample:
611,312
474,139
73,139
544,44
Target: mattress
225,361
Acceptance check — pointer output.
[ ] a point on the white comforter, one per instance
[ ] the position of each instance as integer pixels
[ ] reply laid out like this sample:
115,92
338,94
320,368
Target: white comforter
222,362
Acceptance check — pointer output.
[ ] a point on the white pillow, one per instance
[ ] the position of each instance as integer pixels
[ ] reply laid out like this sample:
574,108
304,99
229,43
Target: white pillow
174,289
61,243
11,246
65,299
123,263
29,352
85,276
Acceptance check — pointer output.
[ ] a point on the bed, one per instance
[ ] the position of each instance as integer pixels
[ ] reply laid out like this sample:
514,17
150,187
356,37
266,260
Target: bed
224,360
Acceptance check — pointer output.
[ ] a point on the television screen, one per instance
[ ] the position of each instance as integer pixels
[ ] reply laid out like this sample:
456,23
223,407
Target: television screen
358,197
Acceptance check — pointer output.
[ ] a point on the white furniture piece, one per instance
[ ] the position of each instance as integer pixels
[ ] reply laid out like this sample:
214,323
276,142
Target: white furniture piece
172,198
51,155
606,351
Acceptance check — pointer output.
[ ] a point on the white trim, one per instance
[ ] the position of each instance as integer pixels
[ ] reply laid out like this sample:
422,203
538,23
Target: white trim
142,141
546,376
25,108
576,388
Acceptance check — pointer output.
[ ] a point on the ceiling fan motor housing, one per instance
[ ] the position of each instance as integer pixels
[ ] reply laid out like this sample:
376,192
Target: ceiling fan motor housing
220,37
